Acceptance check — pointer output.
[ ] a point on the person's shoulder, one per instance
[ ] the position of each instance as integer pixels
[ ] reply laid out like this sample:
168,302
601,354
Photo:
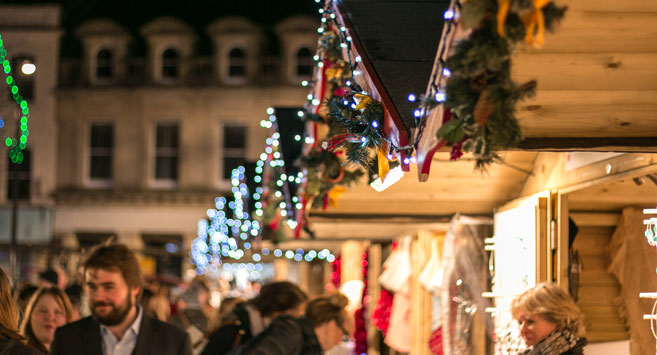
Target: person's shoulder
77,326
13,347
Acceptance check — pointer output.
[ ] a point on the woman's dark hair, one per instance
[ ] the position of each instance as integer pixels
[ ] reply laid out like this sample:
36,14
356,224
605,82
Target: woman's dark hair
324,309
278,297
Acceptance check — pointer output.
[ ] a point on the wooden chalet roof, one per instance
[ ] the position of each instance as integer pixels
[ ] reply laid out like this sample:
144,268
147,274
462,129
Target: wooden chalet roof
597,90
399,39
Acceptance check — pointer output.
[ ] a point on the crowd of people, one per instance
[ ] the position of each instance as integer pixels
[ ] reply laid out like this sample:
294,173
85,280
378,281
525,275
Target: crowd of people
126,318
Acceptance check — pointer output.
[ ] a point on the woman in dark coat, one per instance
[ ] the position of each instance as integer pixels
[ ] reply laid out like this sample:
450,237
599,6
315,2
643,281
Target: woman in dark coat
550,321
326,322
10,341
250,318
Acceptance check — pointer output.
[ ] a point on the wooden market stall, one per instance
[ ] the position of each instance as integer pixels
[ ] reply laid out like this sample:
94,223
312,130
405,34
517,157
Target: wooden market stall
595,92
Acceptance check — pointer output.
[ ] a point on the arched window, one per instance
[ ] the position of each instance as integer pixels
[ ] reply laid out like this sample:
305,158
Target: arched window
104,69
170,64
236,63
304,62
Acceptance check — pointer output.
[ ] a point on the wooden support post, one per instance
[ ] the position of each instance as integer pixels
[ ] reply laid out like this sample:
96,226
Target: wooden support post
562,241
542,240
421,249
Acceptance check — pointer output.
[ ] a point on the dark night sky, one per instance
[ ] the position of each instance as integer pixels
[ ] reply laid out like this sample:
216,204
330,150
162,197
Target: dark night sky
197,13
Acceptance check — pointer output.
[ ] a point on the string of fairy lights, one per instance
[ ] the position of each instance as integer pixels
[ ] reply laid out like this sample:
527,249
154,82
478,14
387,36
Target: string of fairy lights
230,233
329,22
18,144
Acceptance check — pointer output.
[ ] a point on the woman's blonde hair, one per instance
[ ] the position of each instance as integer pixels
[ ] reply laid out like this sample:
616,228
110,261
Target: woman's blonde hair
553,304
8,310
26,325
324,309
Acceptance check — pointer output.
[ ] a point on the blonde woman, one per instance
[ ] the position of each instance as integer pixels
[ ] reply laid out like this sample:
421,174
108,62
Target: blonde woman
48,309
550,321
10,341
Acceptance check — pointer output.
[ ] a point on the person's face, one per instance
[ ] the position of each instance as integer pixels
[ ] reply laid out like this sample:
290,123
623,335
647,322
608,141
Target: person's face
333,334
533,327
110,298
48,314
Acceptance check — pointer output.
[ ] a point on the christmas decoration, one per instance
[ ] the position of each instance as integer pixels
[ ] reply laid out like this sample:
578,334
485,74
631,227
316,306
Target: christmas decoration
325,174
473,83
480,92
355,118
17,144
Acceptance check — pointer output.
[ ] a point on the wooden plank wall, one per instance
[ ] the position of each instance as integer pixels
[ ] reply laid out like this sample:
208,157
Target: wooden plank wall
597,288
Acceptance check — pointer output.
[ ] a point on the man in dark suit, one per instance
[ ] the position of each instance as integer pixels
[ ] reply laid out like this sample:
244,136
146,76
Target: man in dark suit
118,326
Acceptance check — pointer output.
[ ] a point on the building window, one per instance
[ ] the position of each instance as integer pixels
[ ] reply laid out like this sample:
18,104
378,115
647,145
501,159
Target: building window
236,63
170,64
166,152
168,252
304,62
23,72
234,148
104,69
101,144
18,179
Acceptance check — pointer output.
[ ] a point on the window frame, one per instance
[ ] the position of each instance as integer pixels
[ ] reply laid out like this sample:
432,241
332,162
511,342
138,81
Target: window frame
298,63
99,182
165,183
110,65
232,152
165,63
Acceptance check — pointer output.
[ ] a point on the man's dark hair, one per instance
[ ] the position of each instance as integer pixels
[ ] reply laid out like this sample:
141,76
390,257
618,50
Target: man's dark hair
278,297
116,257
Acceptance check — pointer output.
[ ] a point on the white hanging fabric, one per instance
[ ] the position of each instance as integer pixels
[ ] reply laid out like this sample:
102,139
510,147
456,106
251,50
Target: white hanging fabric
431,277
397,267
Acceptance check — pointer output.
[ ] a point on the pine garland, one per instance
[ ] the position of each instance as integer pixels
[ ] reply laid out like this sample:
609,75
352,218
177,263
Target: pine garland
356,123
324,172
480,92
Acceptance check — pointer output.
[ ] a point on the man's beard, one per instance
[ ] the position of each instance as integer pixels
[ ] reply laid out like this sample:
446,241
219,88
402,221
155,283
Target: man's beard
116,315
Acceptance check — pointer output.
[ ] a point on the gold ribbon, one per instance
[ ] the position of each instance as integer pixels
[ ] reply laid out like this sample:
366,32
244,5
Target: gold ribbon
533,21
363,101
502,11
334,195
336,71
382,160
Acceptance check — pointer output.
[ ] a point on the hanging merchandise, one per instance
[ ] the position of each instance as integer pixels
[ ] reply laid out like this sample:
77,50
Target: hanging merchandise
399,271
397,267
381,313
436,341
431,277
399,330
464,260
